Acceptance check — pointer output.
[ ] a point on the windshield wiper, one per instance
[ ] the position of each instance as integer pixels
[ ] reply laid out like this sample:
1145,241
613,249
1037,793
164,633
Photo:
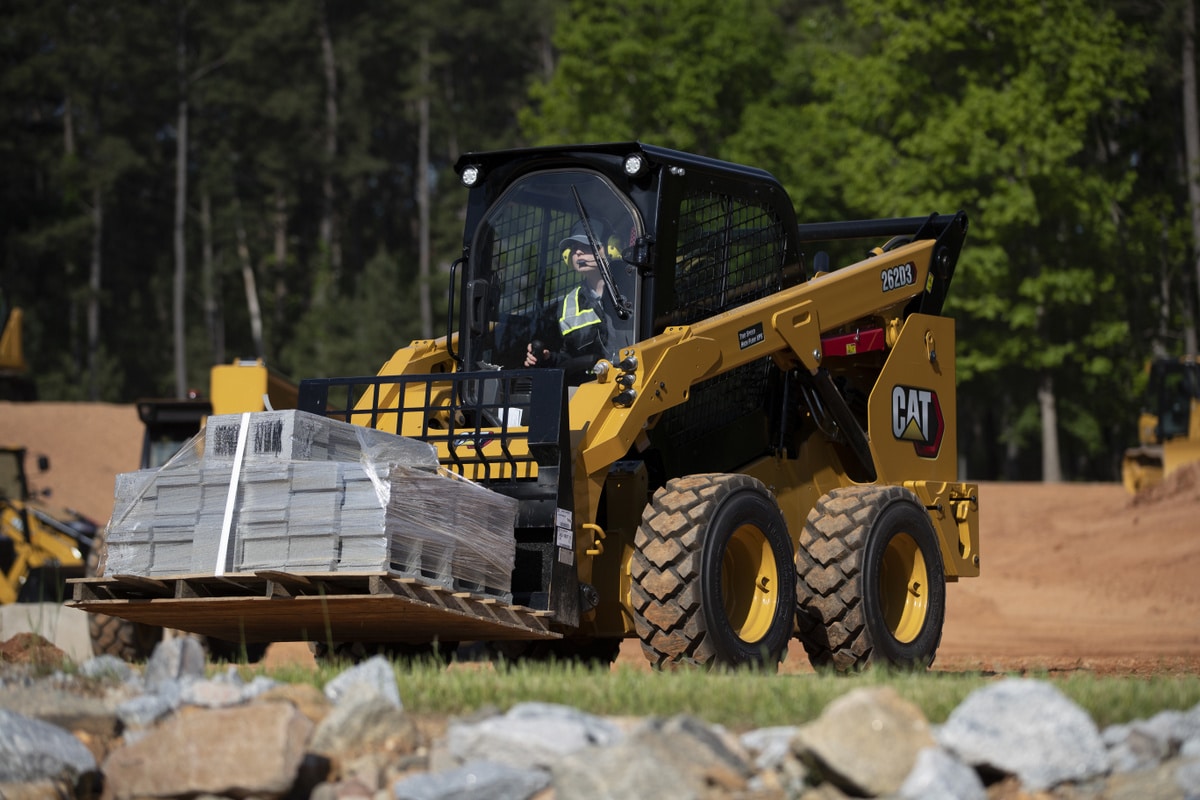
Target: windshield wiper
624,307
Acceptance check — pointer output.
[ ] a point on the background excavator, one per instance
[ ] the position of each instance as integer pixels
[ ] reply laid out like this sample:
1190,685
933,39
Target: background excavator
1169,425
764,450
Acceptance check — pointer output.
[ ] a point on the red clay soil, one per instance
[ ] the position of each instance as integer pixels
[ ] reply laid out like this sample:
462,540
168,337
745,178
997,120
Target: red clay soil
1074,576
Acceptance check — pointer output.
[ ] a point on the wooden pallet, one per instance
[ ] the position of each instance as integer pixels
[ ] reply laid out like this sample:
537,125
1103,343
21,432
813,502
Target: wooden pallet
268,606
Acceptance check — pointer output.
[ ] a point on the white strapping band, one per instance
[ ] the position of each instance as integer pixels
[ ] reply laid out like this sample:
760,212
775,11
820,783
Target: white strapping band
231,498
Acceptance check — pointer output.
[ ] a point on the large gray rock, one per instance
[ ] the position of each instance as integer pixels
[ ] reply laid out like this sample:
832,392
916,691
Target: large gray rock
224,690
61,703
32,750
1160,782
681,757
174,660
1187,777
530,735
1026,728
621,771
1136,745
363,719
865,742
376,671
478,780
235,752
144,710
769,747
937,775
1142,744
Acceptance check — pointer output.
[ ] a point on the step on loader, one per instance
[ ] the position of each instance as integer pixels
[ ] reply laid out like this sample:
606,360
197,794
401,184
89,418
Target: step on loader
712,440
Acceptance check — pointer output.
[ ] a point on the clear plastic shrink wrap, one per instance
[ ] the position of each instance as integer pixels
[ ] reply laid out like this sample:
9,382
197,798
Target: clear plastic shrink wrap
296,492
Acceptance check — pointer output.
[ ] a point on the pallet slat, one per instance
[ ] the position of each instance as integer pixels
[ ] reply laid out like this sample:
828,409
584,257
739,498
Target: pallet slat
272,606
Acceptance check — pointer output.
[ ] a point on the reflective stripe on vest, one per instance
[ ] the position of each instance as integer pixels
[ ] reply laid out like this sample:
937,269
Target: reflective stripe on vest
573,317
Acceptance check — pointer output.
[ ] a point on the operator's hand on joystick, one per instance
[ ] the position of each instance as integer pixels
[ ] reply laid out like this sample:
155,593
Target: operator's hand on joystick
536,354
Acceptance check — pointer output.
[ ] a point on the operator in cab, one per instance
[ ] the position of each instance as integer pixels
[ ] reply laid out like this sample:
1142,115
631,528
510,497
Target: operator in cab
586,325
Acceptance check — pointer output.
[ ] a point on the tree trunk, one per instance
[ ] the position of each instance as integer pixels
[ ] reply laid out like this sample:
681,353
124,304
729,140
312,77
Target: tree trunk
1191,136
1051,462
212,307
1011,468
328,228
93,302
180,283
249,282
423,195
281,255
70,266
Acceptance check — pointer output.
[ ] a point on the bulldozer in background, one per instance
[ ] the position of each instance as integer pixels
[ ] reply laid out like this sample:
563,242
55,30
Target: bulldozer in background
1168,426
168,424
41,546
764,452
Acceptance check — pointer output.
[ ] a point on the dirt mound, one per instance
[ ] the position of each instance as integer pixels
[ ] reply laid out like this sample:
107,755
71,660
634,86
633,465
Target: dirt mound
30,648
1182,485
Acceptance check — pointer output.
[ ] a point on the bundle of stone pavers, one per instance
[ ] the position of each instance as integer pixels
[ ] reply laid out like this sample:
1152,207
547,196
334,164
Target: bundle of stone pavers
297,492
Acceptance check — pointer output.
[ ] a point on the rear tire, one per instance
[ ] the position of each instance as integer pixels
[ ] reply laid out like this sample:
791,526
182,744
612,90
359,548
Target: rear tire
872,586
113,636
135,641
713,581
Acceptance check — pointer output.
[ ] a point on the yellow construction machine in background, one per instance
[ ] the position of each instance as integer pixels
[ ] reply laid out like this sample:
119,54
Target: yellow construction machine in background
15,383
1169,425
40,546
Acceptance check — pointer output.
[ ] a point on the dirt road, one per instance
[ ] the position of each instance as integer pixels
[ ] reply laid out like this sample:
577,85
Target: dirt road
1074,576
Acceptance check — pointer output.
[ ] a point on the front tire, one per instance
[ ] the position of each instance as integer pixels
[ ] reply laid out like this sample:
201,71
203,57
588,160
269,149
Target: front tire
872,586
713,581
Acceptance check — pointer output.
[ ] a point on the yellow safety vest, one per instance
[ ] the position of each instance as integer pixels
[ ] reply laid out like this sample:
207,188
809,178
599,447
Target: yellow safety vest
573,317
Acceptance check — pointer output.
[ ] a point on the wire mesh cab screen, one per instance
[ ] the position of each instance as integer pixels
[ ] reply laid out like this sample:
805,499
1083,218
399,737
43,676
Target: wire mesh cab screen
520,270
730,250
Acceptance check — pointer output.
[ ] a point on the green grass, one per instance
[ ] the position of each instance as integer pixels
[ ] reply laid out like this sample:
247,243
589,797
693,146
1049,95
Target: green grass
740,700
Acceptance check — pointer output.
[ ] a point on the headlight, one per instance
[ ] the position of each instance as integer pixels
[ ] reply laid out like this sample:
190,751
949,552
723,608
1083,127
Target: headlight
470,176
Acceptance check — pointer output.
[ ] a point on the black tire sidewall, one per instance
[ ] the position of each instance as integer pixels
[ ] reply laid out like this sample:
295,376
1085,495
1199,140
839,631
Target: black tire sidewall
898,518
739,508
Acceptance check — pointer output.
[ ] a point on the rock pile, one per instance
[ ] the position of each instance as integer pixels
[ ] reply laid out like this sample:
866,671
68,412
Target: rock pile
168,731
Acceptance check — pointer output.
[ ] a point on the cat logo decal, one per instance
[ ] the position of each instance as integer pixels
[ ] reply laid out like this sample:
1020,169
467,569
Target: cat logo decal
917,418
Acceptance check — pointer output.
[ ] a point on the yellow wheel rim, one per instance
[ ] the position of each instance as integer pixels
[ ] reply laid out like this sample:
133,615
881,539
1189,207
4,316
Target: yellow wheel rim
749,583
904,588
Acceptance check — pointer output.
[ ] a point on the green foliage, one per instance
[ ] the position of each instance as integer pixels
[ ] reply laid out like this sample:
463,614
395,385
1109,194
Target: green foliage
1060,139
674,73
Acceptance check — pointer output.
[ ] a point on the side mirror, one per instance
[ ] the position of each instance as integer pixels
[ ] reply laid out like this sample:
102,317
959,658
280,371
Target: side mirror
43,463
